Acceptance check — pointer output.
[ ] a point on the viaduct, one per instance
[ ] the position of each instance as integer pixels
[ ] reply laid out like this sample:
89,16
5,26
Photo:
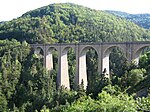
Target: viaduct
131,50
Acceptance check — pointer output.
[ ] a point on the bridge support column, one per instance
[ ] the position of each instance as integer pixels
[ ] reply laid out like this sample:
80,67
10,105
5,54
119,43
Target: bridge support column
129,54
63,76
136,56
100,60
49,61
133,55
82,71
136,60
105,64
77,67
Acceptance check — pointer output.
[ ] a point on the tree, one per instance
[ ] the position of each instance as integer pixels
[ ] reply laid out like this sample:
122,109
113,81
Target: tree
135,76
3,102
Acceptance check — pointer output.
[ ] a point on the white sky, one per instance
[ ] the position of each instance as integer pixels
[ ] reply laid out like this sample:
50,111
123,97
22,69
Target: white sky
10,9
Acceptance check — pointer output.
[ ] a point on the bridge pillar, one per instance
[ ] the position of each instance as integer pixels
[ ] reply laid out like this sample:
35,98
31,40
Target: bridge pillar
136,56
63,75
49,61
77,67
105,64
99,59
133,53
136,60
81,72
105,59
129,52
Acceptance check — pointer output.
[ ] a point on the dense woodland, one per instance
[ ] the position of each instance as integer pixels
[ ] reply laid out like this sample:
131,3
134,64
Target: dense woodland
142,20
26,86
71,23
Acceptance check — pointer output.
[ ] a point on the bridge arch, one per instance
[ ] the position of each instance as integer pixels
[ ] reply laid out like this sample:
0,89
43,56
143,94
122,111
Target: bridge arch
137,52
49,57
82,67
63,75
39,50
106,56
84,49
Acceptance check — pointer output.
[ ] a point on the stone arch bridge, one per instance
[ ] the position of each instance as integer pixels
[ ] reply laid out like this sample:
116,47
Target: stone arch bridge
131,51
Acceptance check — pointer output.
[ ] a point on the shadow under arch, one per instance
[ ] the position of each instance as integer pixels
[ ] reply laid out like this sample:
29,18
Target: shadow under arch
67,64
112,59
52,62
38,50
138,52
144,60
39,53
83,67
51,52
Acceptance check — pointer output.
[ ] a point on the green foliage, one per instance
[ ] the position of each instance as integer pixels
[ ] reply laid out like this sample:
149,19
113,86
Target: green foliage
10,67
143,104
145,60
104,103
98,84
118,61
140,76
3,102
25,85
139,19
81,90
112,90
135,76
63,96
36,86
70,23
118,103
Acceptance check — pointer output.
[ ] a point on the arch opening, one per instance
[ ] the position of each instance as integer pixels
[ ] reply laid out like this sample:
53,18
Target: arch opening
52,62
144,59
113,61
139,52
67,67
39,54
88,66
39,51
71,66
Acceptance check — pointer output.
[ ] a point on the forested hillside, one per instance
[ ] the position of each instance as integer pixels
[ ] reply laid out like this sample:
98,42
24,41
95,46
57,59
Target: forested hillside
26,86
142,20
70,23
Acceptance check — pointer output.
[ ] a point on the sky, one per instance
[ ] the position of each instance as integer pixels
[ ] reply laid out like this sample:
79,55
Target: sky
11,9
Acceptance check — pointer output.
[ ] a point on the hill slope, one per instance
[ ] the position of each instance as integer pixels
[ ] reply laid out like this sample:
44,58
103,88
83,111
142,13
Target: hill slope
70,23
142,20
